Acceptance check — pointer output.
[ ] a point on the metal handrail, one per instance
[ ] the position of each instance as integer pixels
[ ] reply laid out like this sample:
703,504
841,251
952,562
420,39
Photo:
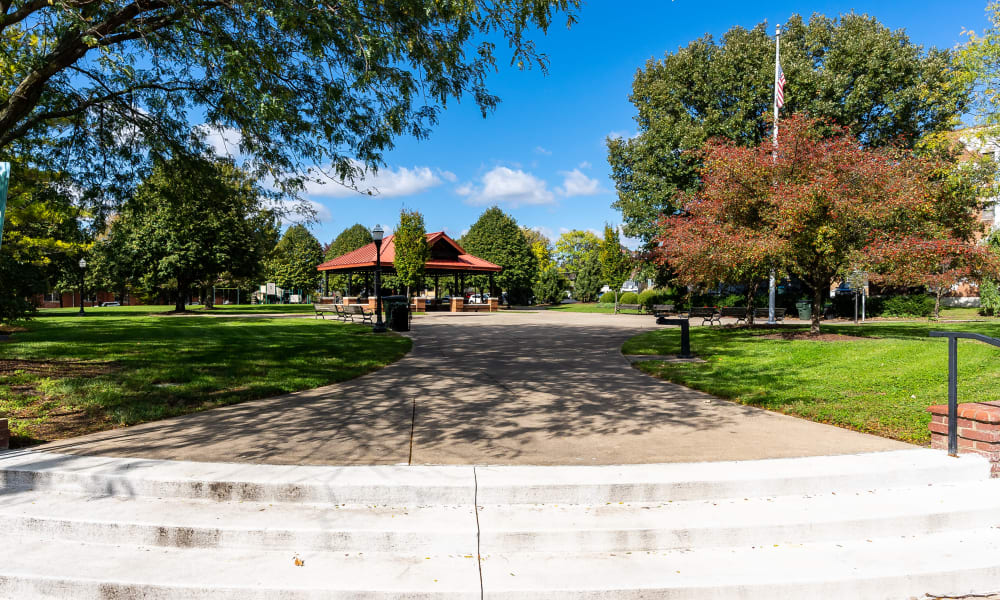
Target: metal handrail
953,337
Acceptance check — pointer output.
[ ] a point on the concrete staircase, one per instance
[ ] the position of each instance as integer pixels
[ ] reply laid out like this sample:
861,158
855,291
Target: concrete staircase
888,525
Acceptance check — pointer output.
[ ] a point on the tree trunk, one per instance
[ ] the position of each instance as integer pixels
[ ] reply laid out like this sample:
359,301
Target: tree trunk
182,292
937,301
751,293
819,300
208,297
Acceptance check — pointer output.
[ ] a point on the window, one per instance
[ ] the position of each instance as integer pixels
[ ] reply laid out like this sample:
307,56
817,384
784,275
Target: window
52,297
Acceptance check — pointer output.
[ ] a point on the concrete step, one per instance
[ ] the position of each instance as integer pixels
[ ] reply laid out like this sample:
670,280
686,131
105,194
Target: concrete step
750,521
951,563
223,482
185,523
43,569
424,485
732,479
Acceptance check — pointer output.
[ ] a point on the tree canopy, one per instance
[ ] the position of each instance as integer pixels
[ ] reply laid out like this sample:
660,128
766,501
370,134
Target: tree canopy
851,72
89,87
573,247
615,260
412,251
496,237
292,264
354,237
815,209
189,222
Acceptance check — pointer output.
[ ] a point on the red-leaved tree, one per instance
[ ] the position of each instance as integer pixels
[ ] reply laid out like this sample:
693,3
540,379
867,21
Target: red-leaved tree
812,209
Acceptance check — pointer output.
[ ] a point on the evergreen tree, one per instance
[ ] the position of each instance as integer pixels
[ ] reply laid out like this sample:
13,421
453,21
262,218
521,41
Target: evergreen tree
616,263
497,238
354,237
588,282
551,286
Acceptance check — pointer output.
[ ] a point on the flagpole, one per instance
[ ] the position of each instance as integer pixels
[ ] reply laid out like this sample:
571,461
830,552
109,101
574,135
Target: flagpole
772,286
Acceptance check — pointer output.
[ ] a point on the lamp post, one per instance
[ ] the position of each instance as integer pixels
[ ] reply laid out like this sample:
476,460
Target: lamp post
377,232
83,268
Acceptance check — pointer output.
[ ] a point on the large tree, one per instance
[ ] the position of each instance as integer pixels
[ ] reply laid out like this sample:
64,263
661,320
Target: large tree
412,251
350,239
42,236
978,69
816,208
190,221
852,72
90,85
615,260
572,248
292,264
496,237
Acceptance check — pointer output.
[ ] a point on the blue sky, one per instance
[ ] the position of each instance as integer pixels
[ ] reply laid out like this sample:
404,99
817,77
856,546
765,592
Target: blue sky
541,155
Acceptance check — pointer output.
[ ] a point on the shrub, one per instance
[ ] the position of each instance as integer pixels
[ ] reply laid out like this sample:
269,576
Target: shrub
653,296
607,298
989,298
628,298
733,300
910,305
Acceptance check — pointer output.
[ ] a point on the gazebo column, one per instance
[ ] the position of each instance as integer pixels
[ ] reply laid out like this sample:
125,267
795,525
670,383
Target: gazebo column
461,288
326,283
493,291
454,290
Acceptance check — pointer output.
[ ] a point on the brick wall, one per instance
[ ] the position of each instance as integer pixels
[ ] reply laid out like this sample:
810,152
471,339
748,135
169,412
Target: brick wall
978,430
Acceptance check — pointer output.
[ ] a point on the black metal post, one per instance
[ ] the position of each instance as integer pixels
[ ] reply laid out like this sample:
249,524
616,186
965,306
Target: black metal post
953,396
685,334
326,283
81,292
379,326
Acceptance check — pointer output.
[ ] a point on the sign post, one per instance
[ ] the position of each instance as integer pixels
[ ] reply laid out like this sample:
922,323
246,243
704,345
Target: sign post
4,182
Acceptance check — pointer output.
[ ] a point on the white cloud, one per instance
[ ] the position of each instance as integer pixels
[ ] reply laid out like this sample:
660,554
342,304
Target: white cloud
546,231
224,141
503,185
617,135
387,183
585,165
575,183
540,150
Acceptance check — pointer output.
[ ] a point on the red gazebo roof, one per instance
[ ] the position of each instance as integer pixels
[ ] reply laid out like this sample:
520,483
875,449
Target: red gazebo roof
446,256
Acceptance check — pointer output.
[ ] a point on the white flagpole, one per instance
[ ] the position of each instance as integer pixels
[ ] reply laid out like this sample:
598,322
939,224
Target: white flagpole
772,286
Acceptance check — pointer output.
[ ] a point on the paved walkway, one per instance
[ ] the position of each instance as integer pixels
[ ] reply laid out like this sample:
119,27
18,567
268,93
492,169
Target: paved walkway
504,388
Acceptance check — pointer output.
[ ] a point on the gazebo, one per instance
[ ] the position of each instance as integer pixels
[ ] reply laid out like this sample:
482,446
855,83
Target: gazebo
447,260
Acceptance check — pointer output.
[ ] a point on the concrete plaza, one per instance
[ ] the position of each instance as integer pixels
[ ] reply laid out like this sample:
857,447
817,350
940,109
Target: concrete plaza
518,387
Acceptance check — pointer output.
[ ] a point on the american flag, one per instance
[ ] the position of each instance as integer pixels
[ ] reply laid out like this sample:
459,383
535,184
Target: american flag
779,87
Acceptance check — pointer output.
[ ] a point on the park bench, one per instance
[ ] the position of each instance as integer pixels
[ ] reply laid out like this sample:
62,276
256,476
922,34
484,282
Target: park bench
358,310
660,310
707,314
761,313
734,312
621,307
322,309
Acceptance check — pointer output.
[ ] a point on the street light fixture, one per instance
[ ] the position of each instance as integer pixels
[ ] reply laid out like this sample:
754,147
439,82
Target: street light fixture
83,268
377,232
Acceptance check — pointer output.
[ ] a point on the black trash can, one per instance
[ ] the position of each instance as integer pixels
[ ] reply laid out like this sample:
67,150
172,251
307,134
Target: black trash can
397,312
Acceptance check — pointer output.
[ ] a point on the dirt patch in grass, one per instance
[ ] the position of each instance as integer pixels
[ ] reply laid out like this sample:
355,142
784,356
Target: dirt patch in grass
814,337
56,369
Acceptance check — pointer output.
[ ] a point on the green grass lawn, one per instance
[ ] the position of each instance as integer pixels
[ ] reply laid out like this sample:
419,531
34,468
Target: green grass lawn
881,383
62,376
230,309
585,307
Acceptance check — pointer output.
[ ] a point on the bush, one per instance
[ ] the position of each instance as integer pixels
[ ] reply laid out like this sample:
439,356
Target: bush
607,298
911,305
628,298
733,300
653,296
989,298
